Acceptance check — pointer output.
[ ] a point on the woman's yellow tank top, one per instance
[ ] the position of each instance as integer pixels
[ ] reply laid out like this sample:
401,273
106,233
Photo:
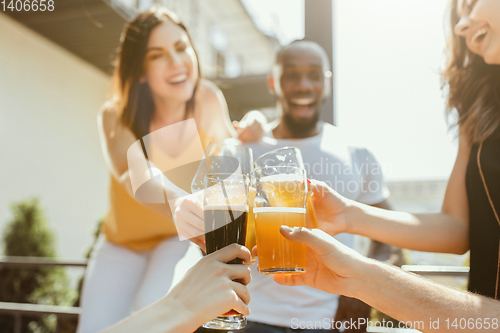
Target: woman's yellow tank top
129,223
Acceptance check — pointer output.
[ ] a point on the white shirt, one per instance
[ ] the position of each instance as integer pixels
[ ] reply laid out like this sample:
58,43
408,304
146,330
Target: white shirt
355,174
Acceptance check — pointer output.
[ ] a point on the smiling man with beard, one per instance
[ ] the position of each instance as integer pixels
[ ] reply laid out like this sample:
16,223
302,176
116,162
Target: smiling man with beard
300,81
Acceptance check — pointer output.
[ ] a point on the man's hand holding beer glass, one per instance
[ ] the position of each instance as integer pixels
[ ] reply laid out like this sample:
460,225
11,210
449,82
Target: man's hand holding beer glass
335,268
330,265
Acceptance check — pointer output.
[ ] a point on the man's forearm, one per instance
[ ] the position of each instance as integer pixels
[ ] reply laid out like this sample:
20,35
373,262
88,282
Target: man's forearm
424,232
430,307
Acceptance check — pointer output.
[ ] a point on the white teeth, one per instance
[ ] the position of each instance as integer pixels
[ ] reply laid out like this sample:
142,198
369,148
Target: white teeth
178,78
302,101
478,34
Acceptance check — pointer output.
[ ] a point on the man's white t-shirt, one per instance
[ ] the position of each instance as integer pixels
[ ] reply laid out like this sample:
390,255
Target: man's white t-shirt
354,173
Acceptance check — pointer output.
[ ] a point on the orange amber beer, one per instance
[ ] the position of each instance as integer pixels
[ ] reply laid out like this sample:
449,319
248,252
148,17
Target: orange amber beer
280,199
289,156
278,255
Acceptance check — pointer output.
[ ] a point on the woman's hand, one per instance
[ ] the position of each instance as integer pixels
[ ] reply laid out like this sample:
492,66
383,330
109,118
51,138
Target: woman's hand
209,289
188,219
331,208
206,291
251,127
331,266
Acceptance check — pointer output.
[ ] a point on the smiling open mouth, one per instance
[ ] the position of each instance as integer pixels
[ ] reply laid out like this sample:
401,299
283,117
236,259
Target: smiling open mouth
178,79
302,101
302,106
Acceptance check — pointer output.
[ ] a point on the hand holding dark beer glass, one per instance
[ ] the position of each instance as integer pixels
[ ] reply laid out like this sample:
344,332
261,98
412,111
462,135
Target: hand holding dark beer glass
219,158
225,210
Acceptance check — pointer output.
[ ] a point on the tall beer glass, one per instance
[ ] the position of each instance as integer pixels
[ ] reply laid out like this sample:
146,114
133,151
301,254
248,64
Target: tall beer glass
289,156
225,210
280,199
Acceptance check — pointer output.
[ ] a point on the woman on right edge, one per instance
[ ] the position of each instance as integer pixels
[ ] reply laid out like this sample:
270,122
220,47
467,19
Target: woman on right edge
470,213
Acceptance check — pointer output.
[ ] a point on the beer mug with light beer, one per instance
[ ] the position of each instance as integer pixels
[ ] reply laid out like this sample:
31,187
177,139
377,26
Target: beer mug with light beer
289,156
280,199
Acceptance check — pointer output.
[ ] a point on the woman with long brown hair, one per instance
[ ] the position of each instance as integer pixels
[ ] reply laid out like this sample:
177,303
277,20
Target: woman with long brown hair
159,101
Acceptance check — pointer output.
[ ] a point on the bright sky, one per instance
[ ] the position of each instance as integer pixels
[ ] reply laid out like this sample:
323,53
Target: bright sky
389,54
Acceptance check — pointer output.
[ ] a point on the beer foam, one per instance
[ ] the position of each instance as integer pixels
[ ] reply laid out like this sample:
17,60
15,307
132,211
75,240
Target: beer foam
282,178
235,207
295,210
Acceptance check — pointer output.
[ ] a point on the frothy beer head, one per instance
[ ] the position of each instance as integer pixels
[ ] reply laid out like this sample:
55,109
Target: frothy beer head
284,190
235,194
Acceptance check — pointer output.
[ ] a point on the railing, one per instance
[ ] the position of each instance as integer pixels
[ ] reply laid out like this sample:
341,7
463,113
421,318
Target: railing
18,310
425,270
39,261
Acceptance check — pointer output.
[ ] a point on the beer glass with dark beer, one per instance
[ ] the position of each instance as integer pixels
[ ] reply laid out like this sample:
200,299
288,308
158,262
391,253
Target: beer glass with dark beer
225,210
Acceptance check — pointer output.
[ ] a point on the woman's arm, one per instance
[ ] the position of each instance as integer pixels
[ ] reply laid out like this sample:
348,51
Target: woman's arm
446,231
115,143
206,291
335,268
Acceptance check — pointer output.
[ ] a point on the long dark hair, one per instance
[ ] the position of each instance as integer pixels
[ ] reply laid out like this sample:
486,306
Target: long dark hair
471,85
131,98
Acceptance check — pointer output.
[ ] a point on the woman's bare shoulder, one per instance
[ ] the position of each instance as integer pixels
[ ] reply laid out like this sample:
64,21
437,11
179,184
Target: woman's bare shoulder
208,87
209,93
210,99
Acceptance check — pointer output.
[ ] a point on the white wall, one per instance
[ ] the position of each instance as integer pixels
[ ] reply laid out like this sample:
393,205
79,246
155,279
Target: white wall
49,145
